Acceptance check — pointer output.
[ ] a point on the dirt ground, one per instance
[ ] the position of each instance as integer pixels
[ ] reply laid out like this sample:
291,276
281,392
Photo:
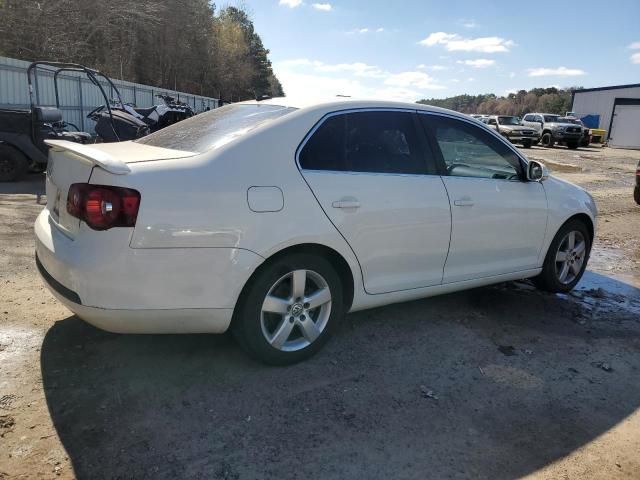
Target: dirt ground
497,382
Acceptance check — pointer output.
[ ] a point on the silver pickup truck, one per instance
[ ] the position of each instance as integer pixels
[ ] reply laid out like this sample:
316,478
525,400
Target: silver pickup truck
553,129
512,129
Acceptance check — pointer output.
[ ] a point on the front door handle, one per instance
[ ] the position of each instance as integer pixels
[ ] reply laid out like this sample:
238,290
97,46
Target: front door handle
463,202
346,204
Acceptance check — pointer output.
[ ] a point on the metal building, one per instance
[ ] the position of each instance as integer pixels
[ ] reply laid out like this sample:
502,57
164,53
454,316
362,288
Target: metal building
617,110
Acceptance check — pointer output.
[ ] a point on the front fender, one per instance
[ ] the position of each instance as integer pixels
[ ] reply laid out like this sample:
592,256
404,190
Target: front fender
565,200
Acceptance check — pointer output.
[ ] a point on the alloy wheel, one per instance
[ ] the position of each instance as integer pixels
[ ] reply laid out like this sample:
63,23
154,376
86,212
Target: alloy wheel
295,310
570,257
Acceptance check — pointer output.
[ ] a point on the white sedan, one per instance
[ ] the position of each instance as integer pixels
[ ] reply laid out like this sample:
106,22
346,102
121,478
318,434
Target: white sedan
275,218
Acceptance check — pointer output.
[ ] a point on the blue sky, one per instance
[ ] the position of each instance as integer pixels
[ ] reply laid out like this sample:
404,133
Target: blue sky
410,49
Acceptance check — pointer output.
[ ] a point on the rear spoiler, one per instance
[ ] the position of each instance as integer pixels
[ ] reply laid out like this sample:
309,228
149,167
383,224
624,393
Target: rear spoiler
95,156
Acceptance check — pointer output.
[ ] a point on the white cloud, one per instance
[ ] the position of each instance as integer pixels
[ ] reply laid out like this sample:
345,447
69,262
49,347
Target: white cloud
291,3
456,43
635,58
512,74
419,80
468,23
635,46
366,30
471,79
438,68
478,63
303,77
324,7
556,72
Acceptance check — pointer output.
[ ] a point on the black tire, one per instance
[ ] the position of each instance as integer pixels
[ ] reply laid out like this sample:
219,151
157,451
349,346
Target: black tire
547,140
247,324
548,279
526,144
13,164
572,145
636,194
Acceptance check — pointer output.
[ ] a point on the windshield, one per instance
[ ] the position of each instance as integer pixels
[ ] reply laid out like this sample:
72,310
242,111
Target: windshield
215,128
509,120
551,118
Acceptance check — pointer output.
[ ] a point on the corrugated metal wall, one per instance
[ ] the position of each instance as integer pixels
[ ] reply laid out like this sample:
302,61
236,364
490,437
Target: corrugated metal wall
78,96
600,102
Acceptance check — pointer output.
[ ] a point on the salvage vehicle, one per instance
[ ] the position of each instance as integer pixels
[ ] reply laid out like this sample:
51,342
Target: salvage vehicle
23,131
585,140
512,129
160,116
274,218
553,129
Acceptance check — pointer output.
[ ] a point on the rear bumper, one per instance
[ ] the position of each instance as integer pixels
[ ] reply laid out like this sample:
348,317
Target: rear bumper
120,289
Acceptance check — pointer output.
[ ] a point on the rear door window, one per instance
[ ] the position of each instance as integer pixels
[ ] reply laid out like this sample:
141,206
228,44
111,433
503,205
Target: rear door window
215,128
370,141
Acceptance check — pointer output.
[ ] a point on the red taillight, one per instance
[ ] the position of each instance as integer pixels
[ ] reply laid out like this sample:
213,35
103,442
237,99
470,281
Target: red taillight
103,206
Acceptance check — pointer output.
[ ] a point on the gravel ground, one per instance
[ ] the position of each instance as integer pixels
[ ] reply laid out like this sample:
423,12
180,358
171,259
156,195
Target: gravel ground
496,382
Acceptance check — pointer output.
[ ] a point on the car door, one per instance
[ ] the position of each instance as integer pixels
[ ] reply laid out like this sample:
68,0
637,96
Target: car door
534,122
498,219
374,178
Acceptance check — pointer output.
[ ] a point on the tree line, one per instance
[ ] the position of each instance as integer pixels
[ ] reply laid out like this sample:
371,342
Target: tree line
186,45
548,100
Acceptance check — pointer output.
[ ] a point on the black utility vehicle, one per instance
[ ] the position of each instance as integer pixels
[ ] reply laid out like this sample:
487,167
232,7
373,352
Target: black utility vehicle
23,132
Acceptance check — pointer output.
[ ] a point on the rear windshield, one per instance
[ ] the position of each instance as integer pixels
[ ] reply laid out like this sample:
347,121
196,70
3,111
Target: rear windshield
215,128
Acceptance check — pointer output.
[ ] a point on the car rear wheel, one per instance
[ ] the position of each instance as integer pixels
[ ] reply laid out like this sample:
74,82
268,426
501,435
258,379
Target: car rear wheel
289,310
526,144
566,258
547,140
572,145
636,194
13,164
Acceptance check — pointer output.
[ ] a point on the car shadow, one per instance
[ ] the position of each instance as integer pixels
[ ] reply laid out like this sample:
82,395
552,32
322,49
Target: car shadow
495,382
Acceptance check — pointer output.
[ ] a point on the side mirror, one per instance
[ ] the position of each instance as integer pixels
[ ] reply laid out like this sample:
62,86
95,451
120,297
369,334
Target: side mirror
537,171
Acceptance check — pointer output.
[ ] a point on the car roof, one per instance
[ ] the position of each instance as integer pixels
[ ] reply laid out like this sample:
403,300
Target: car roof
346,103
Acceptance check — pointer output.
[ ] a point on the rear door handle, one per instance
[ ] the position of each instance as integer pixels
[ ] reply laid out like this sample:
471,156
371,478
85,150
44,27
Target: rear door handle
346,204
463,202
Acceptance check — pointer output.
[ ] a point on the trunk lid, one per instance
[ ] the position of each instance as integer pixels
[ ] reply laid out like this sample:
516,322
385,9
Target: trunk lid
71,162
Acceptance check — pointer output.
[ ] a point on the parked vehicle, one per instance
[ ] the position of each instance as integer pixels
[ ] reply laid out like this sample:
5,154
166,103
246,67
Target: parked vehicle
161,116
553,129
275,218
636,190
585,140
22,132
512,129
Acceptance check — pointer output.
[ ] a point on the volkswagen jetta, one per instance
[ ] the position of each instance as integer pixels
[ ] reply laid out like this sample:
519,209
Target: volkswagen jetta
275,218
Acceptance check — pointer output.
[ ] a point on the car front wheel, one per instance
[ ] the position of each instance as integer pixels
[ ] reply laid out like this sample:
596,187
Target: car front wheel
566,258
547,140
289,310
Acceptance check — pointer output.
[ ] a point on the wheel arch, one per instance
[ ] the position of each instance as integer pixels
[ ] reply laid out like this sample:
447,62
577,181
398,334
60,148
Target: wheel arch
584,218
337,260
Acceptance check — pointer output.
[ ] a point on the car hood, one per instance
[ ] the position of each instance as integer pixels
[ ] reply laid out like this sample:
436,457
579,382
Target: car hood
514,128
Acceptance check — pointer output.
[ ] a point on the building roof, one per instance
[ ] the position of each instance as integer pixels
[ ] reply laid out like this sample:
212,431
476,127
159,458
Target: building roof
613,87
